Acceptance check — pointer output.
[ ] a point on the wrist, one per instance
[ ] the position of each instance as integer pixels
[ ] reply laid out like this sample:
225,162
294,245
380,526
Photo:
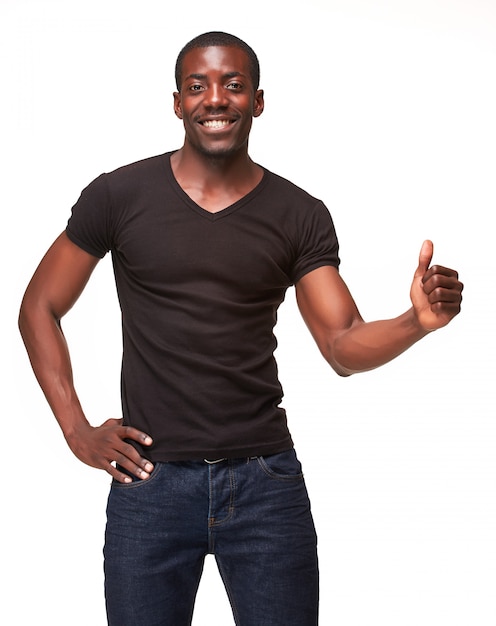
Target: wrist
417,328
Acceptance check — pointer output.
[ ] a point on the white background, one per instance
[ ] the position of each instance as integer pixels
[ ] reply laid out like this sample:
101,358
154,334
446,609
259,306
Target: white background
386,111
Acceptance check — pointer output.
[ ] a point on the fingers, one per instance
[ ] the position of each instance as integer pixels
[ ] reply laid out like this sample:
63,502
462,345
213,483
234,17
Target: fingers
435,291
443,291
438,277
109,447
425,258
124,471
127,463
137,435
127,458
132,471
441,285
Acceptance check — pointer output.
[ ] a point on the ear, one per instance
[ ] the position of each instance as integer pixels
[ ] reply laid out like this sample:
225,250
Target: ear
258,103
177,105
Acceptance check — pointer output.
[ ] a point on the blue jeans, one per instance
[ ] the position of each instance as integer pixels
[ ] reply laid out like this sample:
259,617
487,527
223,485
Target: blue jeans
253,514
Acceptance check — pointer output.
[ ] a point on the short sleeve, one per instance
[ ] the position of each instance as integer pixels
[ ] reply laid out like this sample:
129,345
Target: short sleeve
317,242
89,224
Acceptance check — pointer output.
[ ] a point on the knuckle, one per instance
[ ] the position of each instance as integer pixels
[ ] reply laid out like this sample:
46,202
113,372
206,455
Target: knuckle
436,280
436,295
119,458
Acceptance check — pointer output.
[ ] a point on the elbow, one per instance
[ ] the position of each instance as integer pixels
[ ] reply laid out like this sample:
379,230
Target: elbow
343,373
26,322
27,312
343,355
22,319
341,370
34,318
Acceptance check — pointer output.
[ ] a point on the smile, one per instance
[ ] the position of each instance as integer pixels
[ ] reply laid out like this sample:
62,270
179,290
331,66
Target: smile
216,123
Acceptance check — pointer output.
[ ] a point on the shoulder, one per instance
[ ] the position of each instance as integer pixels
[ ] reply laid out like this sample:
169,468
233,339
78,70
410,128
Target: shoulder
135,179
127,177
143,168
299,209
282,186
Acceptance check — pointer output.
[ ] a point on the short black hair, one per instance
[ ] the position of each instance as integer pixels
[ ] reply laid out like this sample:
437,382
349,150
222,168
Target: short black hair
218,38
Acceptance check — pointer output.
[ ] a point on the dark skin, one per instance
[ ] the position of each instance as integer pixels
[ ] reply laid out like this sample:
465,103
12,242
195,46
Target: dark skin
217,103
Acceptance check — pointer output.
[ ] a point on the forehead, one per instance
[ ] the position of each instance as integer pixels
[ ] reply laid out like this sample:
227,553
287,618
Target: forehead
215,60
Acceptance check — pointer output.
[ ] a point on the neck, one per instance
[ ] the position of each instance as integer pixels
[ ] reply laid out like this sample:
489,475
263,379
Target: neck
215,182
212,169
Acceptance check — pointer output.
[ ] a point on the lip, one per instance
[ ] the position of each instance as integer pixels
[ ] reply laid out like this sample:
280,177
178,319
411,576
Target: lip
216,124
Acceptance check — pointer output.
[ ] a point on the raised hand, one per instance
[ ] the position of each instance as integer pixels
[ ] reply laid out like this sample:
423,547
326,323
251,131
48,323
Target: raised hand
436,292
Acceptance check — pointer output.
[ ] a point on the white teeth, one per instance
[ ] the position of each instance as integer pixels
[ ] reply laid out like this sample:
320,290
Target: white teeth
216,123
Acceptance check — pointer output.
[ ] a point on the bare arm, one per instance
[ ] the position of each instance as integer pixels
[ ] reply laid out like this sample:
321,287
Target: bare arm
351,345
51,293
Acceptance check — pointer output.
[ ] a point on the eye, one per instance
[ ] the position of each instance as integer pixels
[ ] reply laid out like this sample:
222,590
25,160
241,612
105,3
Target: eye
195,87
235,86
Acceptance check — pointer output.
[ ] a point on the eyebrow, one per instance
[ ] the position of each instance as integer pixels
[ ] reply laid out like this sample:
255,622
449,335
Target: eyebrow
204,76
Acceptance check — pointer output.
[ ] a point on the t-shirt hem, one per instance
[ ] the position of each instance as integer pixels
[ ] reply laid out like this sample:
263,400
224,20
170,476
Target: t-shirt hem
83,245
164,456
314,266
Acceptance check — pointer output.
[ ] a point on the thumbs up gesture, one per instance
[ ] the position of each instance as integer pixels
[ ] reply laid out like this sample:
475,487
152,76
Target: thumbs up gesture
436,292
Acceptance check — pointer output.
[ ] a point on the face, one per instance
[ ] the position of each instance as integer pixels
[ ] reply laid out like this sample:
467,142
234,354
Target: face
217,101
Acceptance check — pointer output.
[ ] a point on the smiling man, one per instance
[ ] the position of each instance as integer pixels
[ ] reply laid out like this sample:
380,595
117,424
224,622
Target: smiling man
204,244
217,99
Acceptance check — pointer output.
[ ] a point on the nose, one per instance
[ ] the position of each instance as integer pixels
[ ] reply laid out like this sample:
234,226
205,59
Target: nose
215,96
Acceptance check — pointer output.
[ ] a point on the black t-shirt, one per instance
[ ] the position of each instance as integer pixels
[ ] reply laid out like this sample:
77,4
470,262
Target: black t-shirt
199,293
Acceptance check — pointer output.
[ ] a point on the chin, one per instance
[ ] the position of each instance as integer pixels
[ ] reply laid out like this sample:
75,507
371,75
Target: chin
219,152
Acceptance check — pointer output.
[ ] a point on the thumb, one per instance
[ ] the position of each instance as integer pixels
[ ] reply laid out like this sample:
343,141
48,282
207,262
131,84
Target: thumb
425,258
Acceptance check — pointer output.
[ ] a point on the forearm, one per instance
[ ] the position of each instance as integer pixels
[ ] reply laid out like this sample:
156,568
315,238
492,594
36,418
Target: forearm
50,359
367,345
98,446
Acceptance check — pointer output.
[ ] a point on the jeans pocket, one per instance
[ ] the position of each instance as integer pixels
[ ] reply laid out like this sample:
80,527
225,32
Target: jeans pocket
136,482
281,466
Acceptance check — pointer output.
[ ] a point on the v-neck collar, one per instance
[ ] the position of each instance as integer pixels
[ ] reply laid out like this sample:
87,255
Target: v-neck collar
199,209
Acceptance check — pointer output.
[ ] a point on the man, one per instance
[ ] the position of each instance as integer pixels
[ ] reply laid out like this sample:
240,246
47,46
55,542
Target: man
204,244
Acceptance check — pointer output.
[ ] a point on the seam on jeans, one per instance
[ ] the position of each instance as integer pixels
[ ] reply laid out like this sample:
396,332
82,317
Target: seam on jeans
229,592
274,475
230,509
